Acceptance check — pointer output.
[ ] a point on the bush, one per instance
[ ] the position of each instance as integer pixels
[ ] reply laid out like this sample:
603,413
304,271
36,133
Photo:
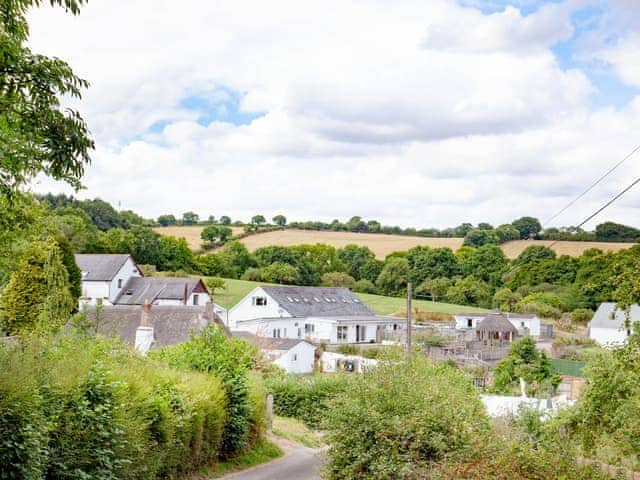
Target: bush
305,398
348,349
393,420
252,274
338,279
581,315
365,286
88,408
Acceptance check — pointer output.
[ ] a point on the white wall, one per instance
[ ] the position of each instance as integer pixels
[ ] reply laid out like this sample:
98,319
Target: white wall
462,321
245,310
93,291
203,298
533,324
608,336
299,359
329,361
127,271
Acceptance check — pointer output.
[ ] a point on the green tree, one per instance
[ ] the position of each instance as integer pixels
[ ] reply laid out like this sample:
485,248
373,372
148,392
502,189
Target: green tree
356,224
506,300
225,220
190,218
58,303
478,237
434,287
354,257
394,276
213,234
102,214
215,283
280,220
282,273
487,263
37,135
529,227
338,279
615,232
469,291
426,262
234,259
258,220
506,233
166,220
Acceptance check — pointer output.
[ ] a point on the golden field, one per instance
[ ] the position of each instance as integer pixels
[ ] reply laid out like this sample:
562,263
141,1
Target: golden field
381,245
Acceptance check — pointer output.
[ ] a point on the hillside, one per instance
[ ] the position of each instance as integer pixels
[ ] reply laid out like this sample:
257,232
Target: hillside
381,245
381,305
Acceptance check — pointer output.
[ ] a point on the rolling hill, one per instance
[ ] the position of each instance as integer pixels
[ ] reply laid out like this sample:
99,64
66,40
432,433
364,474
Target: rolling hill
380,244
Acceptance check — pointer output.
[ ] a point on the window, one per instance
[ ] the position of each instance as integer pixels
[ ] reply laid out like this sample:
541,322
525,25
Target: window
342,332
276,333
119,283
299,332
309,328
522,324
295,357
195,298
284,333
259,301
469,322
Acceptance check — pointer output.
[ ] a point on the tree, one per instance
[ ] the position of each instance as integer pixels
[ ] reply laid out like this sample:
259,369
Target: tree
338,279
37,135
469,291
280,220
615,232
506,233
166,220
394,276
102,214
215,283
434,288
487,263
478,237
529,227
505,300
354,257
225,220
282,273
258,220
426,262
190,218
213,234
58,303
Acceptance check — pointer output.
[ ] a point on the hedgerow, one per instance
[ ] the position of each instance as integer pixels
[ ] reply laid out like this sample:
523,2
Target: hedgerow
90,408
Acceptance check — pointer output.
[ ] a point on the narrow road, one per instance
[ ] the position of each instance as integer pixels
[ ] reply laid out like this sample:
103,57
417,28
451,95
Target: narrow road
299,463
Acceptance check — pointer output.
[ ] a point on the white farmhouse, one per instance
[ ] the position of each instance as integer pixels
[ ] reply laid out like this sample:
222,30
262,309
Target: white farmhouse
527,324
610,326
291,354
319,314
104,276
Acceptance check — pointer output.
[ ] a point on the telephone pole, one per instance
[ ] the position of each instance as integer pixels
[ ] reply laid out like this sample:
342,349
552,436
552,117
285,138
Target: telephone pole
409,295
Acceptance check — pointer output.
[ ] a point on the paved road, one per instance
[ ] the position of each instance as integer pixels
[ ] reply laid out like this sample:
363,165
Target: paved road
300,463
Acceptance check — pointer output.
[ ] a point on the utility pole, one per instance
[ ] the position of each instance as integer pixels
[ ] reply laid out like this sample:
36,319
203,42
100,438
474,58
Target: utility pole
409,294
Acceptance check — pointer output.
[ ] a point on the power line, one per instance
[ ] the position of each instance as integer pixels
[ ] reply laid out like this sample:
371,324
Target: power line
629,187
592,186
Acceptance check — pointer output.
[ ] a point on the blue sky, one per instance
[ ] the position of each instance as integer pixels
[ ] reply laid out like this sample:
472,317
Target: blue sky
413,113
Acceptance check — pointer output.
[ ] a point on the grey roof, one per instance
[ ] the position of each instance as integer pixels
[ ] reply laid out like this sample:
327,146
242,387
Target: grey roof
139,289
100,267
496,323
171,324
267,343
605,317
486,314
318,301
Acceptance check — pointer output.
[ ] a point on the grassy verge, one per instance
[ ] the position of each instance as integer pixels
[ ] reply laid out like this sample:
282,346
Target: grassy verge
296,431
381,305
261,452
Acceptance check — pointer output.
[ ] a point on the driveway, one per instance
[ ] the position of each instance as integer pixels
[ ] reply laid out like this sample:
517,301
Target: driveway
298,463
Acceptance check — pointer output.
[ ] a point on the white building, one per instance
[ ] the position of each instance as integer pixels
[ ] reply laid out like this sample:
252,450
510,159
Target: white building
335,362
292,355
319,314
610,326
115,279
104,276
527,324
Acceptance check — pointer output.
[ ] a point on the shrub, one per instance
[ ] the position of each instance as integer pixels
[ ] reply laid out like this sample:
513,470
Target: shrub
348,349
338,279
581,315
89,408
305,398
252,274
365,286
393,420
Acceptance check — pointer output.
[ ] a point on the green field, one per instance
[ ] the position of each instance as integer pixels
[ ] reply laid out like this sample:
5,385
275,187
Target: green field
381,305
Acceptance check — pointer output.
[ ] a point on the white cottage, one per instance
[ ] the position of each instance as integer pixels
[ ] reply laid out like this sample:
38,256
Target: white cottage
319,314
292,355
610,326
526,324
104,276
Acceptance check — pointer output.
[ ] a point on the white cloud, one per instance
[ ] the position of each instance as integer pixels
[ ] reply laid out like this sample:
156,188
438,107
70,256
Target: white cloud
417,113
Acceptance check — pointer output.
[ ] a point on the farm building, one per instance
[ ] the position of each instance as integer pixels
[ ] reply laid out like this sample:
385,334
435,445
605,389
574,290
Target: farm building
610,325
117,280
525,324
291,354
319,314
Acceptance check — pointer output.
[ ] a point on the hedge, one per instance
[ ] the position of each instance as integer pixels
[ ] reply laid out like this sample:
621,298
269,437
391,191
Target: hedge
89,408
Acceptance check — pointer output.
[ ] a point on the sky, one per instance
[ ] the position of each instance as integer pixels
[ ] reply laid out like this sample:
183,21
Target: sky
422,113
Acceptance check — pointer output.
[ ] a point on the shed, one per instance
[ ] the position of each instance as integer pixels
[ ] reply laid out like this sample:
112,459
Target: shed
496,328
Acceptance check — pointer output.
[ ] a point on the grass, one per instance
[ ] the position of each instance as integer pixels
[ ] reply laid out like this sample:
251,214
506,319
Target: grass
260,452
296,431
381,305
380,244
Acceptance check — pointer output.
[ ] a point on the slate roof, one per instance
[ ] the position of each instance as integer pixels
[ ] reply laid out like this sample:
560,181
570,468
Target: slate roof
486,314
602,317
318,301
139,289
496,323
100,267
171,324
267,343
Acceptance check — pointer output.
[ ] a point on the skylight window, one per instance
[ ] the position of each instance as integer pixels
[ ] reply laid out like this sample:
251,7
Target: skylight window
290,299
316,299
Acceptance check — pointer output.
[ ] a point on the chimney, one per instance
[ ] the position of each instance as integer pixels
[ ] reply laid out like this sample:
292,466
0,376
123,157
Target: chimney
144,333
208,313
186,293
